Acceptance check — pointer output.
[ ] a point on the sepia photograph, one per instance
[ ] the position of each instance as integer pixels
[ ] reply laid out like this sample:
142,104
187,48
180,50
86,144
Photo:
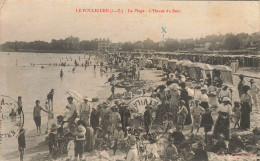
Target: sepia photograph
119,80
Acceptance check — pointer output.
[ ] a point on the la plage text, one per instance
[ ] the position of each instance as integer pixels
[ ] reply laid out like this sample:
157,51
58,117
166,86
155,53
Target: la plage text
106,10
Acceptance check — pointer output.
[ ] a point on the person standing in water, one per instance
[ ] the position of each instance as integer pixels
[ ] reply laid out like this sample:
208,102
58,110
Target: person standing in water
50,99
37,115
61,73
20,105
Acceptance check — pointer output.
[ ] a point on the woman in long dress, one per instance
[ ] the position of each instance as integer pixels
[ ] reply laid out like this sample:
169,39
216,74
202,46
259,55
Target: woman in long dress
246,108
223,122
185,97
174,102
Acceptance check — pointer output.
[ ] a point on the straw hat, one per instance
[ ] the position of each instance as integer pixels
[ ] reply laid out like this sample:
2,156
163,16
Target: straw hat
213,93
226,99
76,120
80,130
131,140
203,89
252,81
87,98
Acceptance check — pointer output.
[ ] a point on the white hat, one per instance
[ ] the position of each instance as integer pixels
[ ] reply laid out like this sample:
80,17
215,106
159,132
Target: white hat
80,130
76,120
87,98
226,99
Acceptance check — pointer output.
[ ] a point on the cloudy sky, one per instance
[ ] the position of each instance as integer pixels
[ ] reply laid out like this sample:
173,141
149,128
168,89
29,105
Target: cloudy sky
29,20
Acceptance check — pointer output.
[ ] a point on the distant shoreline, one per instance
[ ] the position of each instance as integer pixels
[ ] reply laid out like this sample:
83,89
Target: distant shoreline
52,51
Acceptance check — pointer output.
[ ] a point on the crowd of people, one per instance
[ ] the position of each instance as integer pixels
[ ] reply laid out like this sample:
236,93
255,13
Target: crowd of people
112,125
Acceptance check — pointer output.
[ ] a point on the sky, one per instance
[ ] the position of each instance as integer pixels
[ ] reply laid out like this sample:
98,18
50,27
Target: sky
31,20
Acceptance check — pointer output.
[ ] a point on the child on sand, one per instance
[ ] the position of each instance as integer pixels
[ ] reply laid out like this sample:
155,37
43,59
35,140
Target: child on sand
197,111
236,113
53,141
21,142
182,114
70,149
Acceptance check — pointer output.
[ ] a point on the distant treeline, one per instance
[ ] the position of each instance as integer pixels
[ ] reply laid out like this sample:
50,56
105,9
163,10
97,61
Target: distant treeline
241,41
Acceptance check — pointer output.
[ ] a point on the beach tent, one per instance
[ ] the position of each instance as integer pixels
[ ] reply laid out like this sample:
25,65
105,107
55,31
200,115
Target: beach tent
162,61
141,61
172,64
224,72
199,71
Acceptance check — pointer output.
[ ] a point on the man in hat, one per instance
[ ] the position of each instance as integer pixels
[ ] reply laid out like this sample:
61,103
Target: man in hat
79,141
53,140
114,118
225,92
50,99
148,119
197,112
118,138
72,112
246,108
254,91
132,154
94,118
240,84
21,142
125,115
84,110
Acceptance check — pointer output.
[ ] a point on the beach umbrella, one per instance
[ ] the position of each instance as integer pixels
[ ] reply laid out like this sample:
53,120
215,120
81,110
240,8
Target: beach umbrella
76,96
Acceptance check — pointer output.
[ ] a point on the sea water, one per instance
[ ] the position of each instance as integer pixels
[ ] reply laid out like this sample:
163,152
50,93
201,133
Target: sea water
19,78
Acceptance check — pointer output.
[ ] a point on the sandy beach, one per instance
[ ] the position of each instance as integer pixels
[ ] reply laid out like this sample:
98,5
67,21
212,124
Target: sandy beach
34,83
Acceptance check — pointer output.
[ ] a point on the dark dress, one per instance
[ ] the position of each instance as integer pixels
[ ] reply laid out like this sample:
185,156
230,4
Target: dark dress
147,120
207,120
222,125
125,115
90,139
245,115
94,119
246,108
185,97
21,141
